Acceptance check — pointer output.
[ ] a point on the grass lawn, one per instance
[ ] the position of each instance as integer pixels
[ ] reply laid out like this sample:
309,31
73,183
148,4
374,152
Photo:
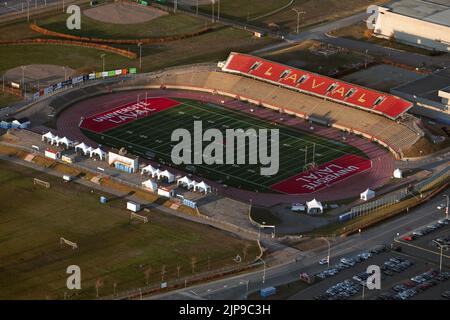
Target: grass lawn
360,32
301,56
163,26
244,9
82,59
6,99
316,11
210,47
111,249
153,134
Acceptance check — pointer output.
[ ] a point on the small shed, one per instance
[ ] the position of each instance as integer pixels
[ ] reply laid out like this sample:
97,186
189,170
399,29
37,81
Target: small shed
398,173
367,195
150,185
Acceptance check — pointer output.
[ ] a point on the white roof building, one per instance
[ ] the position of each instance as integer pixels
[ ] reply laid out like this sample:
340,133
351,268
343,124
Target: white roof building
150,185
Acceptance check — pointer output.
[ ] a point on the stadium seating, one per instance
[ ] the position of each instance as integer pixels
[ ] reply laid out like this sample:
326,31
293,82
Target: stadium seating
349,94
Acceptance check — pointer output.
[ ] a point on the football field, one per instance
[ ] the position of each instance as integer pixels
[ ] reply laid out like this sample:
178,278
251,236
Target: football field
147,133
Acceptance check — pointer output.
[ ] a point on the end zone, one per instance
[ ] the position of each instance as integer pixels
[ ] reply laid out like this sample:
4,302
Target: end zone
325,175
126,113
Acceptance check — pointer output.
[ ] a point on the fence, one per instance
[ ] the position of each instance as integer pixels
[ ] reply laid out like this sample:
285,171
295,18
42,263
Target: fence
385,201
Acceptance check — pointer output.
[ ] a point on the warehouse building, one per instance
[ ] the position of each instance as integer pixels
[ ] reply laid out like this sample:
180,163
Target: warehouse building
430,94
422,23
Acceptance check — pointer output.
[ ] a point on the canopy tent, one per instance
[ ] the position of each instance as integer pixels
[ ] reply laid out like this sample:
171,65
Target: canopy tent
150,185
89,150
185,181
68,143
368,194
55,140
83,147
314,206
156,173
48,137
148,169
166,174
99,152
398,173
202,187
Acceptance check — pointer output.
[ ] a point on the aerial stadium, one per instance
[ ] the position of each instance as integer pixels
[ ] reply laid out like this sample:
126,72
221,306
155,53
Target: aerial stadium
335,138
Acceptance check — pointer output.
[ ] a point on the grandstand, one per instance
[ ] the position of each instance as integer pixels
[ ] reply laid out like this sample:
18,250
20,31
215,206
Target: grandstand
339,91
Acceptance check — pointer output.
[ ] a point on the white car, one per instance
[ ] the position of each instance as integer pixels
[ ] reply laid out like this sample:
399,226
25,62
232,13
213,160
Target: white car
440,207
323,261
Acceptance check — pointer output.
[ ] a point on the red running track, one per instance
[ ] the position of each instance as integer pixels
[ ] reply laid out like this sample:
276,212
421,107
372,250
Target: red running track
375,177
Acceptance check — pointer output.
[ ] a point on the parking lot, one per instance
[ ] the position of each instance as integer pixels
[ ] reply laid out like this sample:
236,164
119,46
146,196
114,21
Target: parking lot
344,278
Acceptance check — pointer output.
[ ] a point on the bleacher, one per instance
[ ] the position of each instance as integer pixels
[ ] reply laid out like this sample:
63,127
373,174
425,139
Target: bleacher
339,91
395,135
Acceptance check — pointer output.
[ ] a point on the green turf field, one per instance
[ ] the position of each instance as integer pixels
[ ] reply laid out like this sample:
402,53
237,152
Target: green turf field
154,134
110,247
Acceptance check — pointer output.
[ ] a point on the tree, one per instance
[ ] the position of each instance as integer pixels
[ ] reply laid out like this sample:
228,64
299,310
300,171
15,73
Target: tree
98,285
147,272
193,264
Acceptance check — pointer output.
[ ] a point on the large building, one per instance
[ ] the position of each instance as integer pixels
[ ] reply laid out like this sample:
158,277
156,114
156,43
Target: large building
422,23
430,94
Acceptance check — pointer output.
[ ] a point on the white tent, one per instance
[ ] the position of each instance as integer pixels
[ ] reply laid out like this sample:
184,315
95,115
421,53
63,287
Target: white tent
185,182
170,177
368,194
156,173
202,187
88,151
55,140
83,147
150,185
148,169
398,173
65,141
101,154
48,136
314,206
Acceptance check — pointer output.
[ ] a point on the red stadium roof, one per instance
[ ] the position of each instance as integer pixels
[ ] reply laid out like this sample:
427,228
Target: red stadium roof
307,82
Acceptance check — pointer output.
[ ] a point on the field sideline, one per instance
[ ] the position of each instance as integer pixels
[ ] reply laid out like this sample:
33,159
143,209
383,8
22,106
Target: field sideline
153,134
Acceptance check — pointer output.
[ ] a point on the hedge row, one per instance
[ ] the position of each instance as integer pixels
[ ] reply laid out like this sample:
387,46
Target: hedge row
103,47
47,32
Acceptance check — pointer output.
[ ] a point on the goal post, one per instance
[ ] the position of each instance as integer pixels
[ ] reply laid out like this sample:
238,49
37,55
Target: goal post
40,182
310,157
138,217
62,241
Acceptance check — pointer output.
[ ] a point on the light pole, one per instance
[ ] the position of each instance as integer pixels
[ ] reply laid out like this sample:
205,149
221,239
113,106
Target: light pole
140,55
23,80
441,247
329,250
298,12
446,207
218,10
264,270
212,10
103,60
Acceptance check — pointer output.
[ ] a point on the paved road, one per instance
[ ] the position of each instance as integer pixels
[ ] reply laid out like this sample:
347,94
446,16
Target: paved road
236,287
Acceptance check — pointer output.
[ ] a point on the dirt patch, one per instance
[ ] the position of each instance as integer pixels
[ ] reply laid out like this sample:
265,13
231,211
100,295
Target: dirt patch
123,13
39,75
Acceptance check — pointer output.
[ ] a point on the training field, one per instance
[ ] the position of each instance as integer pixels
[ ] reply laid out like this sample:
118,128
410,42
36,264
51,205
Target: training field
145,129
111,249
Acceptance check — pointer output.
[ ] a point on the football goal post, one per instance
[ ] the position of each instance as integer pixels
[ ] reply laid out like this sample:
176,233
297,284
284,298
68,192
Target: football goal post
138,217
69,243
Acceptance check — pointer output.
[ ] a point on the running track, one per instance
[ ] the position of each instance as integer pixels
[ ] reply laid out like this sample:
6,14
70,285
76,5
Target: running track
378,175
